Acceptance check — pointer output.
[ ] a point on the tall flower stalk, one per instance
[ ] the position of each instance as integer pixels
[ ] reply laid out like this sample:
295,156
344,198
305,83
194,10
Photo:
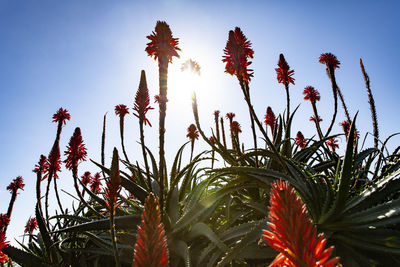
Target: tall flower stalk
216,120
163,47
31,226
223,132
192,134
113,187
284,76
151,243
292,232
16,185
141,106
121,111
40,169
313,96
54,160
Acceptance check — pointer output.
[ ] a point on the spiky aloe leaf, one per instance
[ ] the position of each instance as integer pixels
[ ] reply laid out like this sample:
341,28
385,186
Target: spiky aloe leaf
292,232
151,248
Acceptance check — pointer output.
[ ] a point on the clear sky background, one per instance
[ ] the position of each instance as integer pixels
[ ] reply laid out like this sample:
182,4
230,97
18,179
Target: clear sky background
86,56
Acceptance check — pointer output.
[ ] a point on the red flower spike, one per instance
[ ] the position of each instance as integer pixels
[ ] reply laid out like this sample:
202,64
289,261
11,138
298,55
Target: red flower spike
151,244
121,110
61,116
216,113
312,118
86,178
346,127
292,232
192,132
212,140
156,99
237,52
270,118
311,94
329,60
3,245
31,226
42,166
283,72
16,184
300,140
142,100
54,161
4,221
230,116
236,128
95,184
332,143
76,150
162,43
113,183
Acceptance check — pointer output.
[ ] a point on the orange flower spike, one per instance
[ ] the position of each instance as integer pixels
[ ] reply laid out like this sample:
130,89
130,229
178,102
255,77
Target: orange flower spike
3,245
151,243
292,233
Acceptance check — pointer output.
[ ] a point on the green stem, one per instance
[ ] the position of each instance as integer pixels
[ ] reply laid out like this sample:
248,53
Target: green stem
146,164
121,130
113,235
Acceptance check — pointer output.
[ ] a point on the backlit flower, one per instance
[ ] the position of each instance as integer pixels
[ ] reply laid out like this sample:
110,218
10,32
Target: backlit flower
332,143
329,60
31,225
292,232
4,221
311,94
142,100
312,118
346,127
61,116
300,140
86,178
3,245
54,161
236,128
121,110
192,132
237,52
216,114
16,184
283,72
230,116
76,150
95,183
151,242
162,43
192,66
42,166
270,118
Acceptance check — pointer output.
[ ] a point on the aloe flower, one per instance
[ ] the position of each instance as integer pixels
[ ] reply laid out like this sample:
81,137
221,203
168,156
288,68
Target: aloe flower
230,116
216,120
76,151
192,66
95,184
284,75
42,168
86,178
3,245
61,116
235,130
237,52
346,127
141,107
13,187
292,232
192,134
311,94
121,111
270,119
332,143
151,243
4,221
313,118
330,60
300,140
31,226
162,47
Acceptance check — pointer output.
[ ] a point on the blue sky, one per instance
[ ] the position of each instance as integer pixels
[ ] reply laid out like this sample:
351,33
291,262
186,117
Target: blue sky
86,56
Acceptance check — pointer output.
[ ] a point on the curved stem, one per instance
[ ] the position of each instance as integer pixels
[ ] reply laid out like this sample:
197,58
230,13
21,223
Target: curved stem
314,107
57,196
46,201
287,103
146,164
113,235
38,191
334,90
121,130
223,132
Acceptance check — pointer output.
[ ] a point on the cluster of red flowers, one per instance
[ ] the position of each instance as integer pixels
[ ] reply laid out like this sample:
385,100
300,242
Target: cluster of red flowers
230,116
311,94
162,43
192,132
312,118
237,52
3,245
76,150
61,116
329,60
121,110
95,183
283,72
16,184
270,118
31,226
235,128
300,140
292,233
332,142
142,100
113,183
86,178
4,221
43,165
